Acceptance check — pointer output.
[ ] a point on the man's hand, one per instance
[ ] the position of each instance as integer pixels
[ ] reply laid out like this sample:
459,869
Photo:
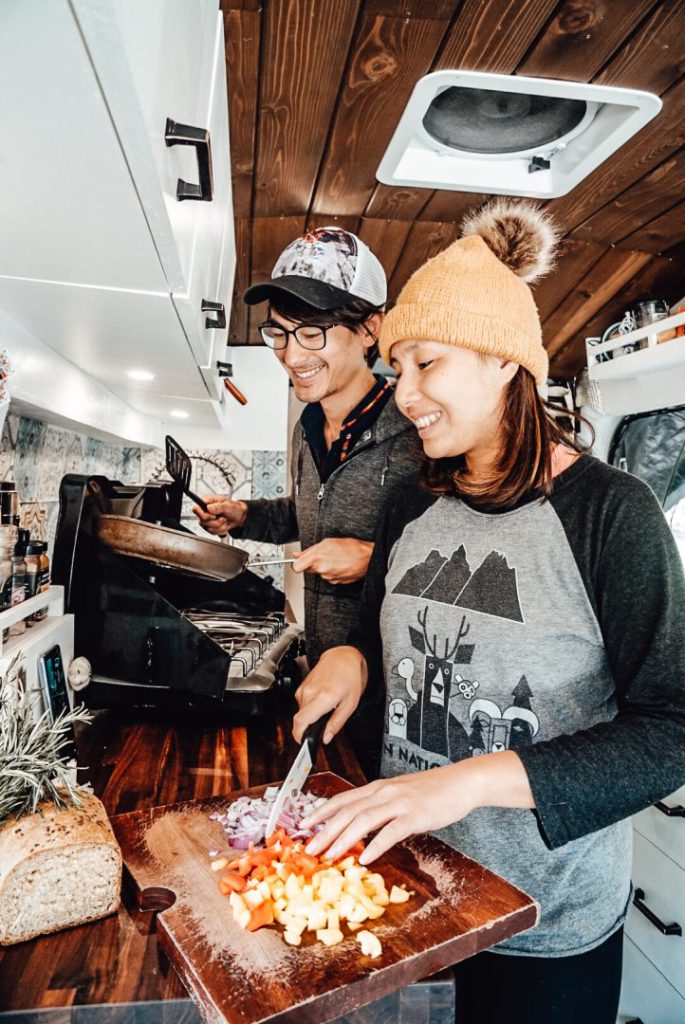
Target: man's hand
222,515
337,681
336,559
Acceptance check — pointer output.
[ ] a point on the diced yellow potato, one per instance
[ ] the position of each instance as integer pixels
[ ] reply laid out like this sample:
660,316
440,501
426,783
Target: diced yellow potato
371,909
297,925
330,936
298,907
381,899
292,887
354,926
277,889
280,915
398,895
253,898
347,863
219,864
330,889
370,944
317,917
241,913
359,913
355,873
265,889
292,938
355,890
333,919
344,905
375,880
308,891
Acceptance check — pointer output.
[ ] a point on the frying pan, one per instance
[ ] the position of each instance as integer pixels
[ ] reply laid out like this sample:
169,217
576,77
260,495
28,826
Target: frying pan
175,549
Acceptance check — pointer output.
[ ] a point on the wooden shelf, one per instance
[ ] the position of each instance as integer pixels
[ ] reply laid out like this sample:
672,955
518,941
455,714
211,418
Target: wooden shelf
52,599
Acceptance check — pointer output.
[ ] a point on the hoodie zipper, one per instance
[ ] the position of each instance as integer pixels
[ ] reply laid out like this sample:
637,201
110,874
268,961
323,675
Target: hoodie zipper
355,451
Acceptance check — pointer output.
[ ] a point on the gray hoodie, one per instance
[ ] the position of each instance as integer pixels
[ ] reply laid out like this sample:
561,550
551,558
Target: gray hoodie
349,504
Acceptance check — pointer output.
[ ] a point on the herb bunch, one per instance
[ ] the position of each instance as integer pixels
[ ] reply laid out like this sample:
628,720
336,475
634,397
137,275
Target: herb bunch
31,769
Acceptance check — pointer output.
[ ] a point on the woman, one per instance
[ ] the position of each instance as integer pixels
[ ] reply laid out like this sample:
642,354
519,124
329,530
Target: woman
527,606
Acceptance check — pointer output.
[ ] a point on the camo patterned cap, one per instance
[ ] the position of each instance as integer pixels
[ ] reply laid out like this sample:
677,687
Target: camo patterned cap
325,268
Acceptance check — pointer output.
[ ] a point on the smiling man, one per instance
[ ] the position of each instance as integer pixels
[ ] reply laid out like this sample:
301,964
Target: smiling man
351,448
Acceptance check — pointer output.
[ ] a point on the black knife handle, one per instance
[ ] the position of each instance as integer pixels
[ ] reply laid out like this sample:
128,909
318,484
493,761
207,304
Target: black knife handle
313,735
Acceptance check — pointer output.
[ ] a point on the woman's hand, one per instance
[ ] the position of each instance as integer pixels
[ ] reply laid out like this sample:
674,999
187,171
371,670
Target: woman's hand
336,559
419,802
337,681
395,808
222,515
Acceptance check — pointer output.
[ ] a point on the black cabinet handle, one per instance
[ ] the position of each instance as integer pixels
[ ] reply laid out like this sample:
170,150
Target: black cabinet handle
665,929
214,307
176,134
671,812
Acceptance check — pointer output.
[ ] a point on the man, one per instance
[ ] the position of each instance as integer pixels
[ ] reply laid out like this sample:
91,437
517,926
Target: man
351,447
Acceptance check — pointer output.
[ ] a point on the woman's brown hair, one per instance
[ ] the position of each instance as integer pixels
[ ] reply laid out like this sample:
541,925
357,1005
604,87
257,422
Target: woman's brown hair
530,430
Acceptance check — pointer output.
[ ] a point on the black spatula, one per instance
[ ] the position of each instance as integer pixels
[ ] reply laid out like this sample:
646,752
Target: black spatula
179,469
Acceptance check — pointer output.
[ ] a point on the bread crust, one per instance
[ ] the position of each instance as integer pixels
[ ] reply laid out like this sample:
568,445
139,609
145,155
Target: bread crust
49,832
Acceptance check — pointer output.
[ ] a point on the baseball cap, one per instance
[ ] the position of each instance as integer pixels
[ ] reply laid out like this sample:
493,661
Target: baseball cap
325,268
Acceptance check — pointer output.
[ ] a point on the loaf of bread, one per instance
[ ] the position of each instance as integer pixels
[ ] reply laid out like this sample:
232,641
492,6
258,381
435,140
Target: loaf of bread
57,868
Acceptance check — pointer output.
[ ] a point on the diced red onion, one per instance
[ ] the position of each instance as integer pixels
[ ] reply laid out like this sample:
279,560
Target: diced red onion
244,820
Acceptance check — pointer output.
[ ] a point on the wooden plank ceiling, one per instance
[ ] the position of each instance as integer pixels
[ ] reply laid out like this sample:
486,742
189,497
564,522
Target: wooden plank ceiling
317,87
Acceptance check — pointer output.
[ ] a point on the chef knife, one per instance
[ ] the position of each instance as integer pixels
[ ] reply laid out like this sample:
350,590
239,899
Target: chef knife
299,771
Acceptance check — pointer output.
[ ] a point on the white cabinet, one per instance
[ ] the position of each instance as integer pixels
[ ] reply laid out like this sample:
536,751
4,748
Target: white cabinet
654,969
646,995
98,257
68,203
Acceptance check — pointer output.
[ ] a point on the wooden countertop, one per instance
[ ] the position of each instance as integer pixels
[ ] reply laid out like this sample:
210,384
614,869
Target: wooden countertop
149,758
141,759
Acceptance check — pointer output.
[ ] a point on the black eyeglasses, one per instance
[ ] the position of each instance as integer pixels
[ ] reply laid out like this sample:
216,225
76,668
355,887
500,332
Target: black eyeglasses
310,336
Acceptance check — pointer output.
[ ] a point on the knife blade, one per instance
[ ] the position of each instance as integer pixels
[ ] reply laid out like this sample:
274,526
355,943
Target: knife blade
299,770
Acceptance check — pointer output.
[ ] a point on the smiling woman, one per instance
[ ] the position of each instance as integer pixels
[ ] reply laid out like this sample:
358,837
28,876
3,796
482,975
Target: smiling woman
524,610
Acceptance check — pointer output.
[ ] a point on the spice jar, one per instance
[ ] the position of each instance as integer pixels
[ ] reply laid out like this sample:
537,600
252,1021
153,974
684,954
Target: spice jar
33,553
8,540
38,584
18,581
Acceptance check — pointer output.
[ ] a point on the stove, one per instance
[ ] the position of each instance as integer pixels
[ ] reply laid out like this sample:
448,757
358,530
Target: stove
164,636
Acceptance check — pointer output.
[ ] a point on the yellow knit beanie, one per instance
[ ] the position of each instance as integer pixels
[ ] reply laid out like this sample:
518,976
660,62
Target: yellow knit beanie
474,293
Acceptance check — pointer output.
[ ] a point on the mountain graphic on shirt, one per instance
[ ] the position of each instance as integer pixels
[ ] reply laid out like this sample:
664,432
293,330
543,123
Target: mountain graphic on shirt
419,577
492,588
451,580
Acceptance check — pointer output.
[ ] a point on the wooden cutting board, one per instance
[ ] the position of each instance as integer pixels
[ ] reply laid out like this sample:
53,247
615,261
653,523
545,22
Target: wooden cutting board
459,909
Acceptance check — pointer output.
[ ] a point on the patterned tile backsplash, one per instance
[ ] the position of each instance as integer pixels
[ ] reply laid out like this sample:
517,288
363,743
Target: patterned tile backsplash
37,455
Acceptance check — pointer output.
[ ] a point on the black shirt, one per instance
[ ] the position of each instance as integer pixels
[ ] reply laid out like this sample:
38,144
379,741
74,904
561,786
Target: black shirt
359,420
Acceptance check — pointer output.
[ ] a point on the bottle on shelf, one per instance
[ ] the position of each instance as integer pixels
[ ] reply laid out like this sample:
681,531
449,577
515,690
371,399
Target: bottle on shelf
18,582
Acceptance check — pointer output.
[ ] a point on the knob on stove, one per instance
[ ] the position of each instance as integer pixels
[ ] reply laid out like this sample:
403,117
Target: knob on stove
79,673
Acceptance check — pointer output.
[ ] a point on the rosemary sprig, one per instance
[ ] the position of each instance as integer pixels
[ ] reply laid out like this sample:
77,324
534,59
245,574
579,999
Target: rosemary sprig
31,769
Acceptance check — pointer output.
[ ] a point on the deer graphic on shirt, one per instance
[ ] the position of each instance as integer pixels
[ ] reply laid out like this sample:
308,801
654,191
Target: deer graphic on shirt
429,722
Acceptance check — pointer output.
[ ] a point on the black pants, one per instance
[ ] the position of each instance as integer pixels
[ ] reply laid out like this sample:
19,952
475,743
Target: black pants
582,989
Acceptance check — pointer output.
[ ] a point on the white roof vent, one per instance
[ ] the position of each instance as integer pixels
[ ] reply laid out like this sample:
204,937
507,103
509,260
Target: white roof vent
504,134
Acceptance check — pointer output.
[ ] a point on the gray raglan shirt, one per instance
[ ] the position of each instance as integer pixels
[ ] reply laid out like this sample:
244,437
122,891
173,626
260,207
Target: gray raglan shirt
556,629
